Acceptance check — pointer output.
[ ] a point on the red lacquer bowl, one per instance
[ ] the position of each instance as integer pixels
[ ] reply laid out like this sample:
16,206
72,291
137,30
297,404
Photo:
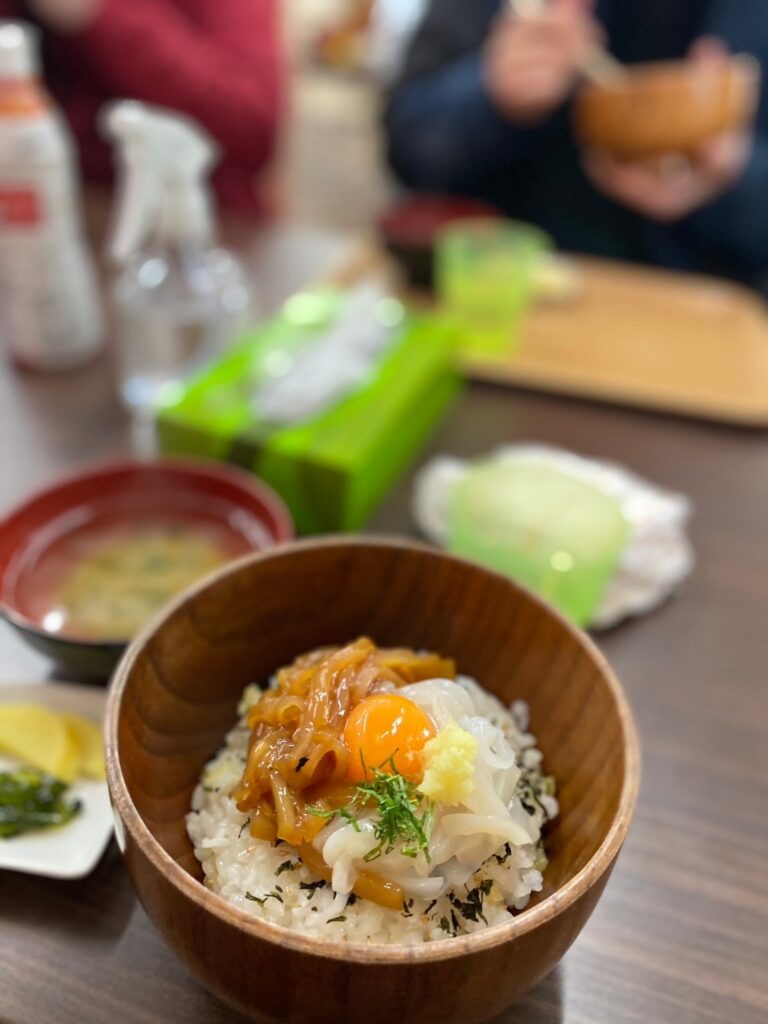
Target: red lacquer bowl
410,229
37,538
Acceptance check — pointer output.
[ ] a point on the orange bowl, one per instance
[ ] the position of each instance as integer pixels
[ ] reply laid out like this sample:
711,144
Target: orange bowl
667,107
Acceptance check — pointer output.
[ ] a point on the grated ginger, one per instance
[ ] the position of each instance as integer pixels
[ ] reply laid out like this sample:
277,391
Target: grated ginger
449,765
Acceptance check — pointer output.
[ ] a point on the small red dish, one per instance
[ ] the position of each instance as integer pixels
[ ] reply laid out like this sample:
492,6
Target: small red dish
411,227
40,539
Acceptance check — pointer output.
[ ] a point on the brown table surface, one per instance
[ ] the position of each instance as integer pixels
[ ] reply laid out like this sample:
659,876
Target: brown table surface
681,934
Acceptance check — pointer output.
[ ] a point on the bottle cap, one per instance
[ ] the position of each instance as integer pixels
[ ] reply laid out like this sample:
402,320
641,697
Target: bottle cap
18,50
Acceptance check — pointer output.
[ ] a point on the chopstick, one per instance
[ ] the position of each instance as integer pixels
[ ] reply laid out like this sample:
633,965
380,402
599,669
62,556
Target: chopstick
599,66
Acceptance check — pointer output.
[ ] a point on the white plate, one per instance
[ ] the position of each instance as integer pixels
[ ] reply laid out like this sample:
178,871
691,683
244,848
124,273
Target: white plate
74,850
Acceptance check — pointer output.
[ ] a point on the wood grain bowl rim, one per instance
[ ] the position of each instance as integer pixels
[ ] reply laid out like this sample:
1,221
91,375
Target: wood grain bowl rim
644,76
375,953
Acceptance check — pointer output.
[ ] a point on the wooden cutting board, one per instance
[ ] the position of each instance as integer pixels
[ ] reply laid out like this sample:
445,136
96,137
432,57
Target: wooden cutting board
660,340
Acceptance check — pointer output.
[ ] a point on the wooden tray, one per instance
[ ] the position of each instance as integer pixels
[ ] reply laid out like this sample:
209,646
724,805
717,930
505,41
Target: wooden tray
655,339
666,341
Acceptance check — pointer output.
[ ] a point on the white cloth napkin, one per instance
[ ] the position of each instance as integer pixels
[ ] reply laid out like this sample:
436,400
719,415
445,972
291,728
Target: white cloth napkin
657,558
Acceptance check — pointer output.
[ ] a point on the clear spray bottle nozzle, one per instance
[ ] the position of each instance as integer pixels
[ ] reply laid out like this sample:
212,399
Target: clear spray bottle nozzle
164,160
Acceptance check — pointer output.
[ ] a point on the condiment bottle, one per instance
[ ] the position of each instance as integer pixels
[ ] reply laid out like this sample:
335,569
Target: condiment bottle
49,311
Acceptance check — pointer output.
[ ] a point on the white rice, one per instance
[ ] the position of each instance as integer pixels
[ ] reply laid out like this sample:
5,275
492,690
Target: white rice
269,881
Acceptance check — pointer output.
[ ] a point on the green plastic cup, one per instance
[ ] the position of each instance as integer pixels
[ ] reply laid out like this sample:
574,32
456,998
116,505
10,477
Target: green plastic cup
485,280
555,534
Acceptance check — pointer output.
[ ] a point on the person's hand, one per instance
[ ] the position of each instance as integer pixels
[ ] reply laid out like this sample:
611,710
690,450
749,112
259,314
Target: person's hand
675,187
531,63
65,15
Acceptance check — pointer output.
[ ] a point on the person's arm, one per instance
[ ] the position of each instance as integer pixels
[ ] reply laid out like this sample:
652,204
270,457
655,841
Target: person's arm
479,88
445,134
735,226
218,61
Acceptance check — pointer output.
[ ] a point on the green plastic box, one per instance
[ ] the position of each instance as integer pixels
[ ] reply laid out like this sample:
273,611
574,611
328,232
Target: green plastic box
331,470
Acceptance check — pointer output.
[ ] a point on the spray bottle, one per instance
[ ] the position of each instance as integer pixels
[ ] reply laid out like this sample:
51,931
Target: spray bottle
179,299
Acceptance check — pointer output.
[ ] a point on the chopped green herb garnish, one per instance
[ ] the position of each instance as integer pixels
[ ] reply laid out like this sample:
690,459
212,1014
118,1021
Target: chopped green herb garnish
331,920
452,926
300,763
503,858
532,787
287,865
471,909
243,827
430,907
407,908
349,817
397,802
311,887
319,812
351,900
261,900
31,799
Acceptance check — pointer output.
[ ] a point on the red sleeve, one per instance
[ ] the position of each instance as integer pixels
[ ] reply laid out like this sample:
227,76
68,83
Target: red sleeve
217,60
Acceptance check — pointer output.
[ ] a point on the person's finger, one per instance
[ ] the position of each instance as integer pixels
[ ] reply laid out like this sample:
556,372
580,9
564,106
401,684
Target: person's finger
709,49
560,24
533,80
660,197
532,58
531,89
582,6
723,159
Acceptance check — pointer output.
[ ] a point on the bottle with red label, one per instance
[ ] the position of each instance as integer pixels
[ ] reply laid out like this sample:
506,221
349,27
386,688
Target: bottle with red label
50,318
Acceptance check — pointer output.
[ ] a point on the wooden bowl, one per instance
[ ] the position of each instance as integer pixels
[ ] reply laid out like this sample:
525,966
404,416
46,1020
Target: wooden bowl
174,697
667,107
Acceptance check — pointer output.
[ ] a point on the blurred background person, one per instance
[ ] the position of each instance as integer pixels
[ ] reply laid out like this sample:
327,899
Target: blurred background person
482,108
218,61
392,24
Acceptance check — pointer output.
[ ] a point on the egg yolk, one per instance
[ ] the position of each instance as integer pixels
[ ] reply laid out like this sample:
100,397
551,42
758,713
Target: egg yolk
383,728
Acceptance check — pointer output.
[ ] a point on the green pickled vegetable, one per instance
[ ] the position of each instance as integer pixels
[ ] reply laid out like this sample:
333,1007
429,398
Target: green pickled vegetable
31,799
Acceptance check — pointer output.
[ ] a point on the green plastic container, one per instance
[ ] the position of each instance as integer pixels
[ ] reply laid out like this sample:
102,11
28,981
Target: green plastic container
485,280
555,534
333,469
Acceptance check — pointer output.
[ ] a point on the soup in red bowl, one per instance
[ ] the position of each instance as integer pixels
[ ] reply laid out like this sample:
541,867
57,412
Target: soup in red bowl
86,563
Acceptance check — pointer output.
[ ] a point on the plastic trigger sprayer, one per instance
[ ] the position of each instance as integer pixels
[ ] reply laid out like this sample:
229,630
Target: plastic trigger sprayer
179,299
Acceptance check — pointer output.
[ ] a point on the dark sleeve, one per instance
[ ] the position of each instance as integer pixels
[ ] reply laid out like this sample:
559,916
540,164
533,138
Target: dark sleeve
735,227
443,131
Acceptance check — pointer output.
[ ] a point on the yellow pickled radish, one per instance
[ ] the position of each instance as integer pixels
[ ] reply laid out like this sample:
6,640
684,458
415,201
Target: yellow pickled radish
40,738
89,739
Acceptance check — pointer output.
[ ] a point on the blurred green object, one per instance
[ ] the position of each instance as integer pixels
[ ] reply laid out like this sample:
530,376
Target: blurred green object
333,466
485,280
551,532
31,799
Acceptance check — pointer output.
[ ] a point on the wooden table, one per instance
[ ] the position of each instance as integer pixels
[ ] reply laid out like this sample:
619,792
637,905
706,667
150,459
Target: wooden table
681,936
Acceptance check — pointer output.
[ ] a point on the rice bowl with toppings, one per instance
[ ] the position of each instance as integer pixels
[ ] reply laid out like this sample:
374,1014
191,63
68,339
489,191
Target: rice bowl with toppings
375,796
